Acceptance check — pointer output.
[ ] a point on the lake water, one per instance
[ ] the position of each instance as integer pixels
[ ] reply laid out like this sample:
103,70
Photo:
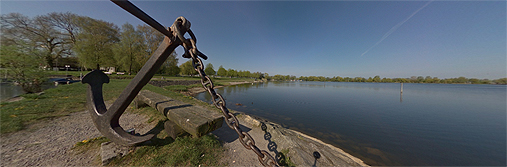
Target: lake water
429,124
8,90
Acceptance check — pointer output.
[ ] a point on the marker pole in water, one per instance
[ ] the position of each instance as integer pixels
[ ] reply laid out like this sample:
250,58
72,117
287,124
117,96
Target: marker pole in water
401,88
401,92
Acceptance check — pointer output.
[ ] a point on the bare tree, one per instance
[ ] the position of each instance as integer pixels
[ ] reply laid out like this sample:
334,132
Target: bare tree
54,34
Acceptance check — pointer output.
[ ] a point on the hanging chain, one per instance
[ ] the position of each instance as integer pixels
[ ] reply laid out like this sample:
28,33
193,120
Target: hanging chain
191,52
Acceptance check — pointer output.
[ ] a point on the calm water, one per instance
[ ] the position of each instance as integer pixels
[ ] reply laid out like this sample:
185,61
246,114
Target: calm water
430,124
8,90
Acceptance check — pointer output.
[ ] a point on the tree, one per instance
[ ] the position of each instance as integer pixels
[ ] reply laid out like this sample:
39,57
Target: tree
94,44
187,68
502,81
231,72
170,66
151,40
128,48
209,69
461,80
52,34
221,71
23,67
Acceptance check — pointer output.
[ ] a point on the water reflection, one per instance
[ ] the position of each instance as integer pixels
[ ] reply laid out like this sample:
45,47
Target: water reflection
313,85
283,84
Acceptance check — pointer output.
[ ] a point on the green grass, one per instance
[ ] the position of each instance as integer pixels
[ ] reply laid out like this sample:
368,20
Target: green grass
55,102
89,144
73,73
181,87
283,159
164,151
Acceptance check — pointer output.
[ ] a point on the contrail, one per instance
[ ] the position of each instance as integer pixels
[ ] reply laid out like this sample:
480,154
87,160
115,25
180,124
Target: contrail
396,27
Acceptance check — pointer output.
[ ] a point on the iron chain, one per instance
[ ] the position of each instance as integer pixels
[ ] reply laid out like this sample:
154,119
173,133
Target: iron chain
191,52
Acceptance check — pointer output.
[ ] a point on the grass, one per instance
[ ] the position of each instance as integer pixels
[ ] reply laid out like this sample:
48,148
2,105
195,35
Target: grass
89,144
181,87
164,151
55,102
66,99
283,159
73,73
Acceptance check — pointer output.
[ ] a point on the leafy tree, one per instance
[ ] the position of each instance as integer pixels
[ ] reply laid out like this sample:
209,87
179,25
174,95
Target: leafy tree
52,34
151,40
209,69
187,68
474,81
258,75
232,73
221,71
128,49
420,79
461,80
502,81
94,44
170,66
23,67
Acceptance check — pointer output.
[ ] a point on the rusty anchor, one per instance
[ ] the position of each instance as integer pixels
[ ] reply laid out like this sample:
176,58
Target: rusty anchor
107,120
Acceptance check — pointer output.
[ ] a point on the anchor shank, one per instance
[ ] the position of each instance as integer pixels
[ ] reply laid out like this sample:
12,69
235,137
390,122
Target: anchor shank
142,78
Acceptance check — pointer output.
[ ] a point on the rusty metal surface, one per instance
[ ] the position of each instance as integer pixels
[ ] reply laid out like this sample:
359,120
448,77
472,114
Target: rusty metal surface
132,9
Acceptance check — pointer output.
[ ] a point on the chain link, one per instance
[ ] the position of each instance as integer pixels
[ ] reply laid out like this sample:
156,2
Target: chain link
191,52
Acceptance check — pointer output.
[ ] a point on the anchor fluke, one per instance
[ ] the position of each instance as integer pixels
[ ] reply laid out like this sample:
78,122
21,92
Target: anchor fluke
106,121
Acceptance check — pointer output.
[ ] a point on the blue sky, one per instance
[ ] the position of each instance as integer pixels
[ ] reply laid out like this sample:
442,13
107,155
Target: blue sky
327,38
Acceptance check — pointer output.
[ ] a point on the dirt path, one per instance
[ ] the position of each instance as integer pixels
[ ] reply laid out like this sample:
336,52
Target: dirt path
50,143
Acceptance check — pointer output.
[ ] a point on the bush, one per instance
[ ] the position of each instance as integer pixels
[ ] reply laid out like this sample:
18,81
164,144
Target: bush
23,67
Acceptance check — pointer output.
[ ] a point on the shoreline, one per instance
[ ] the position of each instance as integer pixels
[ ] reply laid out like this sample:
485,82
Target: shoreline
194,91
300,146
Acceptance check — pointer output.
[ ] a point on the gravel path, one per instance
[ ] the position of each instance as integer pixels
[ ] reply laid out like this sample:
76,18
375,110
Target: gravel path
49,143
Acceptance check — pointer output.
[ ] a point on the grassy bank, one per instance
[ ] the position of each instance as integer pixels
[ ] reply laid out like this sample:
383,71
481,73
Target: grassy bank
66,99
